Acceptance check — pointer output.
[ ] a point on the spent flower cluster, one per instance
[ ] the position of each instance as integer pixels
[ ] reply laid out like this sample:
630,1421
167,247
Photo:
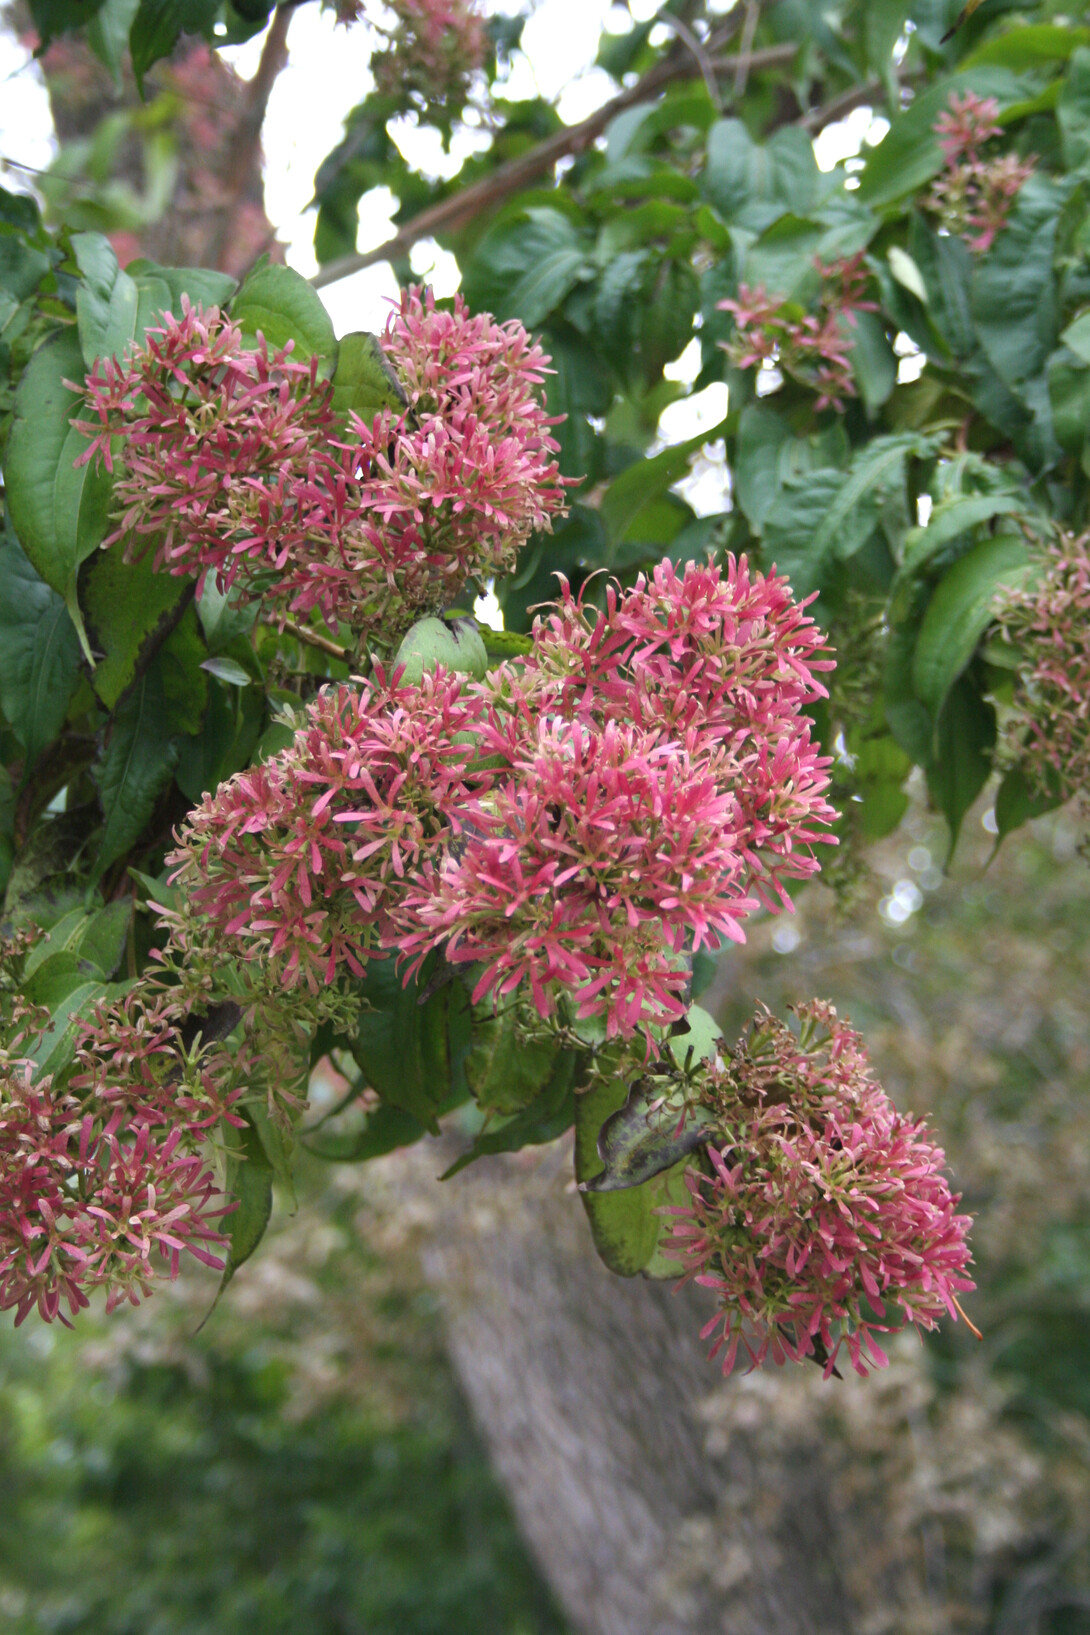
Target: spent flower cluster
823,1218
232,462
813,348
105,1176
432,50
1047,619
974,195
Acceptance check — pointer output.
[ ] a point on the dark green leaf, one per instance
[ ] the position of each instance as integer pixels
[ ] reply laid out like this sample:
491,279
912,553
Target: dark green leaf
963,755
108,34
791,524
59,513
752,185
1073,112
504,1071
203,286
250,1181
39,653
134,768
1069,395
550,1113
102,942
403,1044
1017,802
386,1129
524,268
960,611
159,24
1013,291
53,17
128,605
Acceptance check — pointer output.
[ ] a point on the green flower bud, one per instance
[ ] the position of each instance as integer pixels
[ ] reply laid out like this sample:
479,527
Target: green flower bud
456,646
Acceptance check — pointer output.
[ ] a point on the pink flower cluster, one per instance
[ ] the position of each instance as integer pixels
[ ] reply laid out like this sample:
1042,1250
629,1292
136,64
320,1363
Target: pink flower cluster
301,861
973,196
579,823
813,348
231,464
1048,620
824,1210
431,54
95,1178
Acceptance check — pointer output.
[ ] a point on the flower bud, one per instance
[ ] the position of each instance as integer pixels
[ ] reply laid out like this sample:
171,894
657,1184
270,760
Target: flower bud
456,646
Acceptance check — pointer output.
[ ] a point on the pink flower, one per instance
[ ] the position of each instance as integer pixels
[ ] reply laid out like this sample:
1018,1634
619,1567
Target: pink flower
297,862
432,52
812,348
965,125
1048,620
973,197
825,1219
592,869
88,1196
231,465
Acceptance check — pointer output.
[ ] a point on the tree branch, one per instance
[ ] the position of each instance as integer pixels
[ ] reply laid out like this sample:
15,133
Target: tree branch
507,178
274,55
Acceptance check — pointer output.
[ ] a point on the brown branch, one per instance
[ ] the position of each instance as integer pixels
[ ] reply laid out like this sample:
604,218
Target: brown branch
247,162
312,639
459,208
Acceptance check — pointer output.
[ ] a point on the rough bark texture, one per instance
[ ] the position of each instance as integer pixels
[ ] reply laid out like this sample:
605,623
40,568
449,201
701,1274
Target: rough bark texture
593,1395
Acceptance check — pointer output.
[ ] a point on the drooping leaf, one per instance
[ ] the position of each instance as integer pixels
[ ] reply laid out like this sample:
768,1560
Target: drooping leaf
965,738
128,606
551,1112
108,34
250,1181
960,611
59,513
403,1044
504,1071
39,653
53,17
1018,802
134,768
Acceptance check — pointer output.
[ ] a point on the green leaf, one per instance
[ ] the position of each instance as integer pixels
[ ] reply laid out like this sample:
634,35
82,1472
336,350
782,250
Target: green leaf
54,1050
877,471
949,521
1013,290
134,768
550,1113
624,1229
965,738
159,24
202,286
647,480
504,1071
222,618
59,513
1069,396
1076,337
103,941
250,1181
1018,802
750,184
107,300
1073,112
364,382
960,611
761,435
108,34
128,605
525,267
281,305
39,654
791,524
53,17
403,1044
226,670
874,366
1019,48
